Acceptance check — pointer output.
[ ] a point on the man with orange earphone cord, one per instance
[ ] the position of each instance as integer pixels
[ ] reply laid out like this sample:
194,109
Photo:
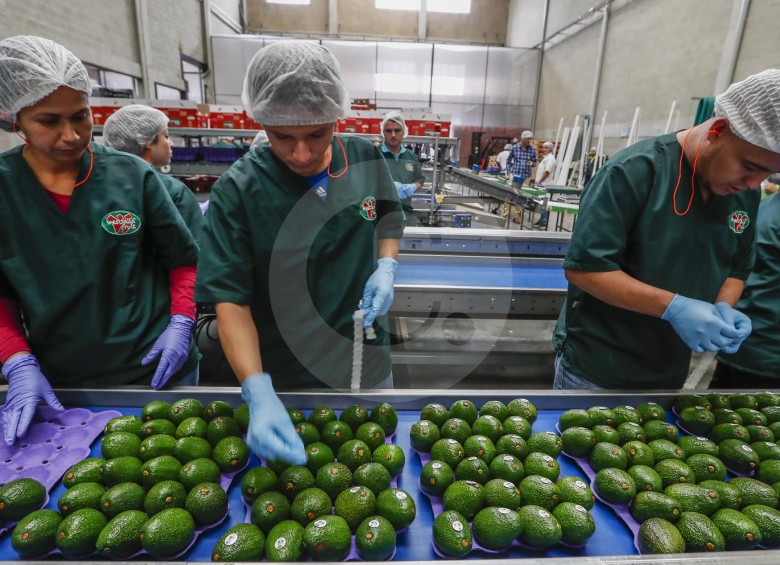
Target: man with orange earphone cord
664,241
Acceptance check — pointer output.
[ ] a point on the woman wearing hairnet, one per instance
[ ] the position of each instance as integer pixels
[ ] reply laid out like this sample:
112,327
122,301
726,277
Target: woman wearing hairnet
664,242
298,232
93,253
143,131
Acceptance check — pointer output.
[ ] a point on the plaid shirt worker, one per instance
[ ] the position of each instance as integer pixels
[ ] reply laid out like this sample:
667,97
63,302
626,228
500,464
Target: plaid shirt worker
520,160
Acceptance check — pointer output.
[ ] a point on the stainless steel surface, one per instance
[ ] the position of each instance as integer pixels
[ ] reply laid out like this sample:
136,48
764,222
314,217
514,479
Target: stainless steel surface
485,241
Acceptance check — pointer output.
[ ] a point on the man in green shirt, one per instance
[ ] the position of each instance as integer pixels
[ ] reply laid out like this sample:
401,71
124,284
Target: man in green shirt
404,165
664,242
298,231
757,363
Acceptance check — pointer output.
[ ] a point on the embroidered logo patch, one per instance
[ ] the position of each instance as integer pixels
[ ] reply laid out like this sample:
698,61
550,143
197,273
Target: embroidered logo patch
738,221
368,208
409,167
121,222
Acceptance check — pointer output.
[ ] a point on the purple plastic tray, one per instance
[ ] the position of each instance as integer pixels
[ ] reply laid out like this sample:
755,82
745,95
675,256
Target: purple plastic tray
54,442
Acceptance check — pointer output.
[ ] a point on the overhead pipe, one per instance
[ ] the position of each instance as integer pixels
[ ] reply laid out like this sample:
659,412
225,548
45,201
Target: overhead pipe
594,98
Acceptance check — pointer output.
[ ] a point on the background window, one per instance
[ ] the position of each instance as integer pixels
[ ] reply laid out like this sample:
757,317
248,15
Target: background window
162,92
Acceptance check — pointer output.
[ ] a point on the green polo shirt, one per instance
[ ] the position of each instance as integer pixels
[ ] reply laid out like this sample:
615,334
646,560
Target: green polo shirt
627,222
404,168
185,203
93,284
301,262
760,352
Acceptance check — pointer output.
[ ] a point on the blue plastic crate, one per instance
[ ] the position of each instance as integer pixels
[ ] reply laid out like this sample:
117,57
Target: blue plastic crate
222,154
188,154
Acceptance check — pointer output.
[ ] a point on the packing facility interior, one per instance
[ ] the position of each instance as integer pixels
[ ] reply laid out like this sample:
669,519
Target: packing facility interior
577,73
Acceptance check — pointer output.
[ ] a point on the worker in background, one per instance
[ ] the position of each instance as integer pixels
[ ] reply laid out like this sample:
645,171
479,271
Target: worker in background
769,186
589,164
664,242
143,131
403,164
521,160
503,156
298,232
543,173
756,364
96,260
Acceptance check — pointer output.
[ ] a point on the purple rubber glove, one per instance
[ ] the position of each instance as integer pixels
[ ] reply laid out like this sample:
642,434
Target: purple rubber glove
699,324
737,320
26,387
378,292
173,348
271,434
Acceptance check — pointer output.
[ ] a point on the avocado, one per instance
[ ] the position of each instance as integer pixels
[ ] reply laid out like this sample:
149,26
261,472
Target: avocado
328,538
220,428
207,503
257,481
375,539
718,400
522,407
766,450
751,416
573,489
605,433
694,498
457,429
436,413
614,486
231,454
545,442
576,417
307,432
391,457
488,426
128,423
371,434
479,446
336,433
577,524
602,416
494,408
578,441
355,505
452,534
729,494
295,479
284,542
35,534
242,542
198,471
651,504
155,446
435,477
506,467
183,409
768,472
630,432
354,416
216,409
122,470
695,445
84,495
726,416
423,435
700,533
539,529
164,495
697,420
685,400
321,416
78,532
651,411
706,467
20,497
187,449
194,426
543,465
665,449
121,538
385,415
156,427
397,506
743,400
767,399
638,453
673,472
120,444
269,509
333,478
539,491
473,469
512,444
465,497
317,455
517,425
162,468
168,533
754,492
657,535
310,504
296,416
121,498
496,528
354,453
89,470
374,476
465,410
658,429
156,409
738,455
241,415
739,531
768,521
608,455
723,432
646,478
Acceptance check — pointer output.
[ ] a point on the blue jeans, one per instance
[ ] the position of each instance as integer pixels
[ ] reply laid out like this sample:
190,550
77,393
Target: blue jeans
566,380
386,383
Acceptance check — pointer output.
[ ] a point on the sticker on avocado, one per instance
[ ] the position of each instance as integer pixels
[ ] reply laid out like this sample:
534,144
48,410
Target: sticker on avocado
457,526
738,221
280,543
231,539
121,222
374,523
400,495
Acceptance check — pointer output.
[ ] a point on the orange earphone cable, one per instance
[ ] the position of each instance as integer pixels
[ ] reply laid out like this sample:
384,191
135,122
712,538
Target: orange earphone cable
16,131
346,161
89,172
693,174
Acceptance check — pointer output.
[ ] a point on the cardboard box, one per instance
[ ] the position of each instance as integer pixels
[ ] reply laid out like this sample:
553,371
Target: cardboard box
249,123
102,108
226,117
181,113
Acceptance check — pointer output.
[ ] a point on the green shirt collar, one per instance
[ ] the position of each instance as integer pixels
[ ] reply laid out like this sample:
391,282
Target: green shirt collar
385,149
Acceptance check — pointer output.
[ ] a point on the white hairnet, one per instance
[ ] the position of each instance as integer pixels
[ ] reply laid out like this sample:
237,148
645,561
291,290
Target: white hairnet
752,108
395,116
526,134
31,68
508,147
133,127
293,83
261,137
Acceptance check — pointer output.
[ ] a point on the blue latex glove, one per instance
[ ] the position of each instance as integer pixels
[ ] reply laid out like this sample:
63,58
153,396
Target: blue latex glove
738,321
699,324
378,292
173,348
405,190
204,207
26,387
271,434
